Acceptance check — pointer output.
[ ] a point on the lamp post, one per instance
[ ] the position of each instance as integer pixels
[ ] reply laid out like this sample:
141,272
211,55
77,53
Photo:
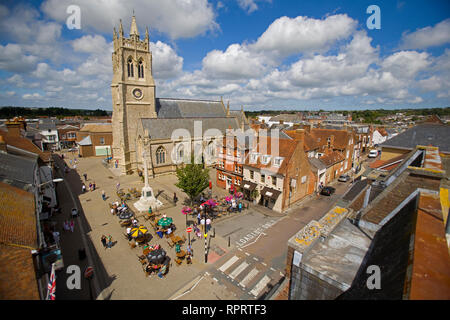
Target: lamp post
54,180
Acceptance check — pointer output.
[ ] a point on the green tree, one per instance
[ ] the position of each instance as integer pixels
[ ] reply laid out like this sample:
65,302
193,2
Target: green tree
192,179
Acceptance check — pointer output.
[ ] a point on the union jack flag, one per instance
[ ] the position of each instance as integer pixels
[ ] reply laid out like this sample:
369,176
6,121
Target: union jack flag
52,285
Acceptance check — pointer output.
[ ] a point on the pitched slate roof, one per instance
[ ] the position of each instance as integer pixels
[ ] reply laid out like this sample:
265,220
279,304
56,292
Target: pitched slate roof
17,171
316,163
163,128
424,135
86,141
182,108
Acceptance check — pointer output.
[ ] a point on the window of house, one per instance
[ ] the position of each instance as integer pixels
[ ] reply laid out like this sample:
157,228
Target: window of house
277,161
252,174
274,180
102,140
180,152
141,69
265,159
263,177
254,157
303,179
130,68
329,142
160,155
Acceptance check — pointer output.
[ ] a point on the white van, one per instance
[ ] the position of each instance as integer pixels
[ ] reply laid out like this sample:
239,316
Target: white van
373,153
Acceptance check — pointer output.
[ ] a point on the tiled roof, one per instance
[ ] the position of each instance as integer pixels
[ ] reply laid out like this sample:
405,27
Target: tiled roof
286,149
183,108
332,158
25,144
388,164
17,170
17,216
341,137
97,127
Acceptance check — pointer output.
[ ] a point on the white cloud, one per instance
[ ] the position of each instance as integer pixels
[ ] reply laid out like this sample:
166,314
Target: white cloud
286,36
235,63
14,59
427,37
177,18
166,63
92,44
248,5
406,64
32,96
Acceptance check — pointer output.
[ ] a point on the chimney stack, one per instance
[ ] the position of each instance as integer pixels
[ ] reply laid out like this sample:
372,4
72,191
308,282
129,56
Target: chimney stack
15,126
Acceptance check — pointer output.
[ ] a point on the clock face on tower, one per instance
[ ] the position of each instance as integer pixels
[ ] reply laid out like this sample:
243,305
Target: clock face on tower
137,93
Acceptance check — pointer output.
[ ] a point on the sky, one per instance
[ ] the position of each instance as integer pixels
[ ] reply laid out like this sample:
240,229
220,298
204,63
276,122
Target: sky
259,54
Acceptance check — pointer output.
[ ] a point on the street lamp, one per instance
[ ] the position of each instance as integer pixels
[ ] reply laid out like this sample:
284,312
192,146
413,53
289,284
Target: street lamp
54,180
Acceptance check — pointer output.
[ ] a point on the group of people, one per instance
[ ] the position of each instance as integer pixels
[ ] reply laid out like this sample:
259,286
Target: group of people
68,225
107,241
92,187
118,208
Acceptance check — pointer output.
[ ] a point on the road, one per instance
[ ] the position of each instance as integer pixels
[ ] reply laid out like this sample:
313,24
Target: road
258,259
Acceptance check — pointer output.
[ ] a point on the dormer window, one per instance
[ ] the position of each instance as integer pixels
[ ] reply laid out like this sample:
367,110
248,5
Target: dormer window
265,159
277,161
254,157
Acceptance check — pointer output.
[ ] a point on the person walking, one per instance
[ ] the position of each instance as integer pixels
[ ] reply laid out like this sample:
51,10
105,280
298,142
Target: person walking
56,237
208,224
199,217
240,206
93,186
117,186
103,195
103,239
72,225
189,251
109,241
175,199
85,176
90,186
83,188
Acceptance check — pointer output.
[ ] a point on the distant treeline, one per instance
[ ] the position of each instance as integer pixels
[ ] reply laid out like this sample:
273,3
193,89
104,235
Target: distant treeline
10,112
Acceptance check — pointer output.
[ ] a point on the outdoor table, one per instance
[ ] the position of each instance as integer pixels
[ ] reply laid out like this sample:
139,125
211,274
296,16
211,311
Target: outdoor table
146,251
181,254
176,239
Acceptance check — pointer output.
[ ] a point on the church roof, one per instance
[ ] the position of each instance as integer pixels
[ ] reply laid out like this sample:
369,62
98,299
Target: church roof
183,108
163,128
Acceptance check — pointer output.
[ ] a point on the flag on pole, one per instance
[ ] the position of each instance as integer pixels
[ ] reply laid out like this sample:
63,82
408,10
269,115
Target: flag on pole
52,284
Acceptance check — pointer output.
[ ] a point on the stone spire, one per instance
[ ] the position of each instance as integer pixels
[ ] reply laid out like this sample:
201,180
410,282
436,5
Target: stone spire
120,29
134,29
114,34
228,108
147,37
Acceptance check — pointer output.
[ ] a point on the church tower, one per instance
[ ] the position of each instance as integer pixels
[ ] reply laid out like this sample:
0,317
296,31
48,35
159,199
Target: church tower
133,92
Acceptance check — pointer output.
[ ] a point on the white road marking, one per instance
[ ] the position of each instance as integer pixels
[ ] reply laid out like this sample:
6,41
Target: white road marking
249,277
238,270
260,286
228,264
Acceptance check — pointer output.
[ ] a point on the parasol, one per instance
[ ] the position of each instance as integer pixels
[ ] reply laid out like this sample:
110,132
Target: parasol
126,215
156,256
138,232
165,222
186,210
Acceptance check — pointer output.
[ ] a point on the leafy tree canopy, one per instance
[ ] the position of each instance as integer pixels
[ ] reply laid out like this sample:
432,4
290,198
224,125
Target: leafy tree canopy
192,179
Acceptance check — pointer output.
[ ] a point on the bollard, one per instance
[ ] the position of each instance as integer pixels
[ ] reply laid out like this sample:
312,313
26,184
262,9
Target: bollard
229,239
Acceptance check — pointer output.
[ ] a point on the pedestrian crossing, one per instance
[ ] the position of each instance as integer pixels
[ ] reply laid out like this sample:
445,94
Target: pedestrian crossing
247,273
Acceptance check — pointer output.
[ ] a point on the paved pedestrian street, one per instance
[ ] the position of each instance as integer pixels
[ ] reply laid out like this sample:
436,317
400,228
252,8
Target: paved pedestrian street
246,252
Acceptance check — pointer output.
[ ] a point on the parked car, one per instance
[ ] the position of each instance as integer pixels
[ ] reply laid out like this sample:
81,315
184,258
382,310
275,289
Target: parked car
327,191
75,212
344,178
373,153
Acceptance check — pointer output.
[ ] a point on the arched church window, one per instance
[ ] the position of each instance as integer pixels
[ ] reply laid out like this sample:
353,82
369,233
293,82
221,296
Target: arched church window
180,152
160,155
130,68
141,69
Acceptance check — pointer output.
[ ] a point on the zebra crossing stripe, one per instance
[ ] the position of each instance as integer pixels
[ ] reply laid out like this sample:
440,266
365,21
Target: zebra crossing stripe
228,264
238,270
260,286
249,277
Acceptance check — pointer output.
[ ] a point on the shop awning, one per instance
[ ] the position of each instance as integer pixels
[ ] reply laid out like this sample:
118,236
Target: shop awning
270,193
247,185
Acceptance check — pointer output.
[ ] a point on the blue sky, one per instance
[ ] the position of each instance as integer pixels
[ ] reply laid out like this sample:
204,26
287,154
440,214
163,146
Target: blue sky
260,54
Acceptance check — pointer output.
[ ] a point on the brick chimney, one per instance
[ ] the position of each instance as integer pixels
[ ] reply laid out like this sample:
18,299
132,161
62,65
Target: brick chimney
281,121
14,127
